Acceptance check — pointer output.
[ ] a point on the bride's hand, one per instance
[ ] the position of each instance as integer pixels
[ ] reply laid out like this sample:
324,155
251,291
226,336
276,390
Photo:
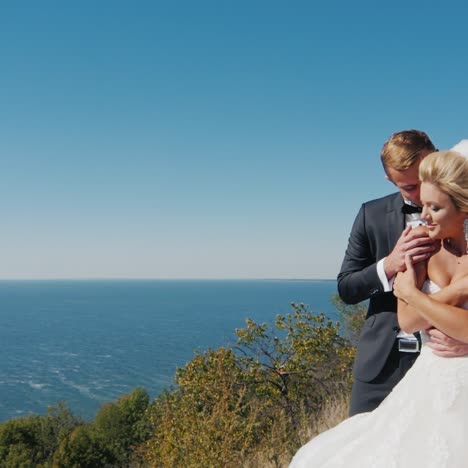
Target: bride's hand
405,282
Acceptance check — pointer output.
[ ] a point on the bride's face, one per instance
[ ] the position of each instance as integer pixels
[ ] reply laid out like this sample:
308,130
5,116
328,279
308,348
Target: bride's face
443,219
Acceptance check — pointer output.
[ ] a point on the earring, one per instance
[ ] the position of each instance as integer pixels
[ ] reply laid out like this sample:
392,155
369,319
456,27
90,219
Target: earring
465,226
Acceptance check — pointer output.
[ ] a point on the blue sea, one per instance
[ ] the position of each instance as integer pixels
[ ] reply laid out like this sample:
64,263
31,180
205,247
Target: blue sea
89,342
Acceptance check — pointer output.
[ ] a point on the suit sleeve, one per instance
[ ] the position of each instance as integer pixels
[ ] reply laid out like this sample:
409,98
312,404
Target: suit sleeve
358,278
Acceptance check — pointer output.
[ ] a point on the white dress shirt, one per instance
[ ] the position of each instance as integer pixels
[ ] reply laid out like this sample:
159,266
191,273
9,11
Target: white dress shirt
413,220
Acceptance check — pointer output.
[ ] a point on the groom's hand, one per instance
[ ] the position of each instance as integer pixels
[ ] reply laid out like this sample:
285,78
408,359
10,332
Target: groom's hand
444,346
413,242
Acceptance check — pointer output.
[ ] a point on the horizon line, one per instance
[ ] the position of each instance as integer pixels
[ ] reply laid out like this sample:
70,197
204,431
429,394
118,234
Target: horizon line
163,279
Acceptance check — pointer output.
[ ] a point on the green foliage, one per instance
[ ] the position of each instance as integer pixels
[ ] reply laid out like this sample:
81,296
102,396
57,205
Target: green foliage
111,439
209,420
82,449
297,367
59,439
32,440
123,425
305,356
351,318
232,404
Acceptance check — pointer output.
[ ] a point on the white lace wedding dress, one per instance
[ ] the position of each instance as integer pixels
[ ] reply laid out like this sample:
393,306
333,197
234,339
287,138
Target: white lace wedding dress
422,423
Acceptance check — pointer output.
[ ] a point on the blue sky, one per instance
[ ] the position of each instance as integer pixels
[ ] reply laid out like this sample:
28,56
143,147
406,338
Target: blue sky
210,139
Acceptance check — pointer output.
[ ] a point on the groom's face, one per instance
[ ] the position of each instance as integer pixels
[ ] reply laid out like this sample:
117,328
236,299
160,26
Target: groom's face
407,182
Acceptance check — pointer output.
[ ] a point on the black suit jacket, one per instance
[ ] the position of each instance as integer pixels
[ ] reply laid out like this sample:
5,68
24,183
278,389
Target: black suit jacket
375,232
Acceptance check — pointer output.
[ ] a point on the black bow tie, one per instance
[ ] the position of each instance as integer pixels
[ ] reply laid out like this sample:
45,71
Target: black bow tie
410,209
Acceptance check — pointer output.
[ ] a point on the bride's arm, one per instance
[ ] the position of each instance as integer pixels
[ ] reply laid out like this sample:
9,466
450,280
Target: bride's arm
451,320
408,317
455,294
411,320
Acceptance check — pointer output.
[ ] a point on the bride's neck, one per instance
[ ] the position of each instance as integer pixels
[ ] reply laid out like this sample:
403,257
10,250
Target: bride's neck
456,245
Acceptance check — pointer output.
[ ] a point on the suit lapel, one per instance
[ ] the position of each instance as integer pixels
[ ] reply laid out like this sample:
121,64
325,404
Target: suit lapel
396,221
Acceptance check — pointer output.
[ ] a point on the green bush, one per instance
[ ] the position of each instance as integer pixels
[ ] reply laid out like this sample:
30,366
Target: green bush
123,425
83,449
250,404
33,440
112,438
209,420
351,318
59,439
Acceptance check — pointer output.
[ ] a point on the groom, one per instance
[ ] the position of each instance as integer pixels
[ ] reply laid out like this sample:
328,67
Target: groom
380,239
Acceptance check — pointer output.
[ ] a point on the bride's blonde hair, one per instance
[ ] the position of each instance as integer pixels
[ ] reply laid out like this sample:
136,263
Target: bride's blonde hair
447,170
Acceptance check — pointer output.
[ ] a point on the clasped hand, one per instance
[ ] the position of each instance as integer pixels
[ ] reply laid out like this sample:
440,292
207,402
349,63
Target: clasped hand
414,242
442,345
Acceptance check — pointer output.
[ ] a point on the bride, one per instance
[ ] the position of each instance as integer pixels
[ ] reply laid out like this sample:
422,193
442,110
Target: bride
424,421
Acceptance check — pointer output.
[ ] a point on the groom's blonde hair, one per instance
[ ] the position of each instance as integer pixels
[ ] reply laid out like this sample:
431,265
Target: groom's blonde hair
405,148
447,170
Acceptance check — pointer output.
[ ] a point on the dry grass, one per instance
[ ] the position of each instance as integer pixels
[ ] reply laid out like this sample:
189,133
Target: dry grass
335,412
275,453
